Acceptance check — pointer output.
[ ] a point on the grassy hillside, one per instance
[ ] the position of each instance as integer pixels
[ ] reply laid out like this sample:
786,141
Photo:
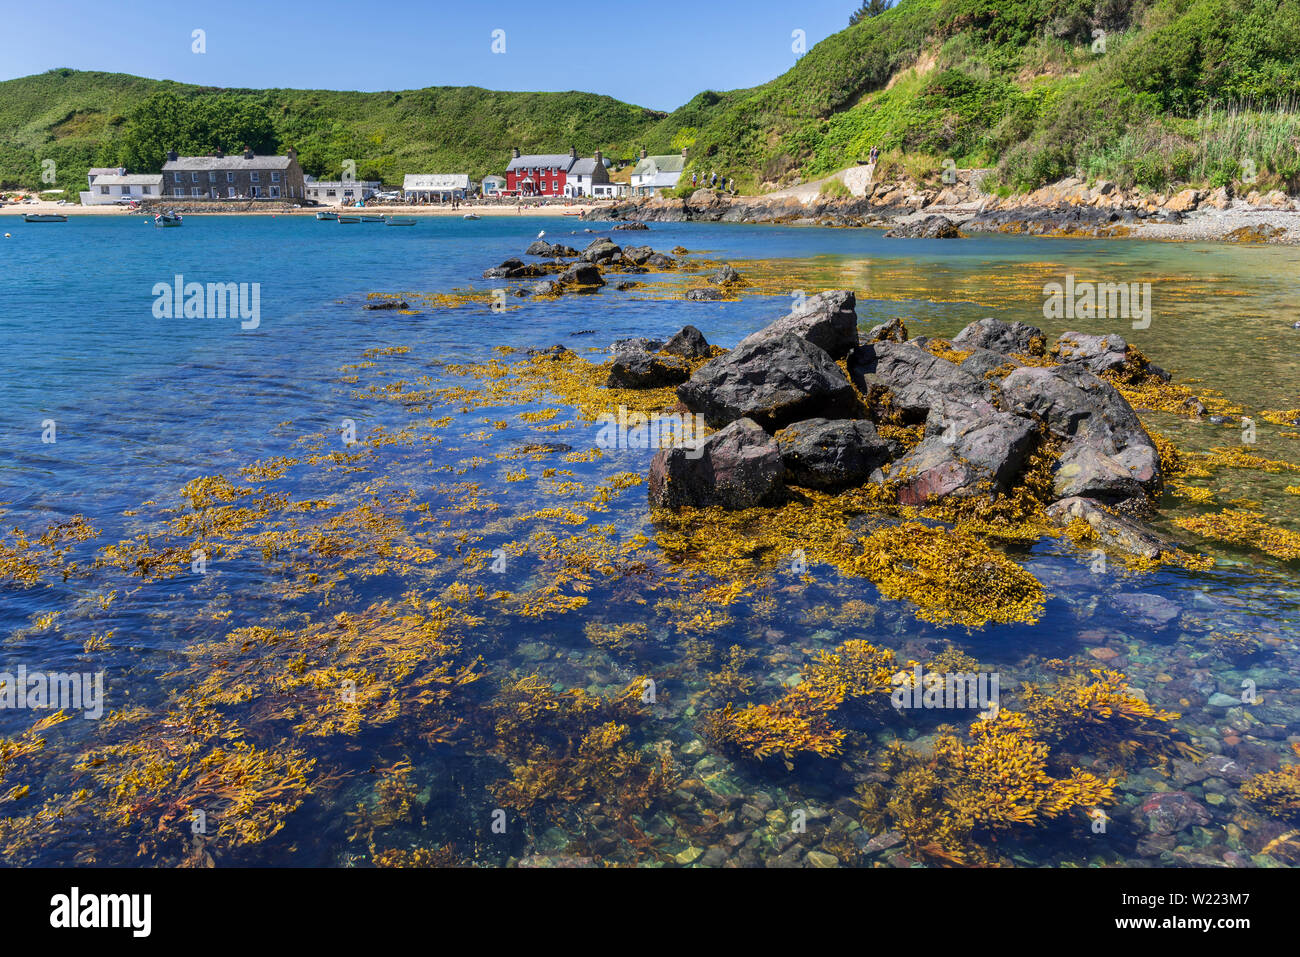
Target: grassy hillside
84,119
1149,92
1179,90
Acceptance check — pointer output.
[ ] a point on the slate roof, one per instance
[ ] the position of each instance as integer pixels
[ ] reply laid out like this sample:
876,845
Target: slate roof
584,167
135,179
542,161
669,163
218,163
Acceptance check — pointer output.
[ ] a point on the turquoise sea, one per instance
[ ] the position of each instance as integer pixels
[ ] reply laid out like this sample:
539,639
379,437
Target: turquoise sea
372,565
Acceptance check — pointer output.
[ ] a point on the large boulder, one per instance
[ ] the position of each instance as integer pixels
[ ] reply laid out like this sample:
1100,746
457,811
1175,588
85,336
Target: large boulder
726,276
1004,337
773,381
736,467
983,456
635,345
659,261
637,254
601,250
581,274
647,370
705,294
918,380
833,453
988,364
541,247
689,343
929,227
1107,454
828,320
1097,354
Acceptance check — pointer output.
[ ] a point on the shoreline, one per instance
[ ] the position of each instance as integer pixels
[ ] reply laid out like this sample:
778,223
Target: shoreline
576,211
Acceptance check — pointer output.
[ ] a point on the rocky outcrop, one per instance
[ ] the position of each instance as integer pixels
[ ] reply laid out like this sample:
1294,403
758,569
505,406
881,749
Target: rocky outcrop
834,453
973,457
647,370
705,294
601,250
774,381
547,250
689,343
1107,453
736,467
581,275
930,227
1111,529
828,320
1006,338
917,380
1097,354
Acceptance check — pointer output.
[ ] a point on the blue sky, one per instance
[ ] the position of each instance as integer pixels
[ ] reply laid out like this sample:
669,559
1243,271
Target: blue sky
655,53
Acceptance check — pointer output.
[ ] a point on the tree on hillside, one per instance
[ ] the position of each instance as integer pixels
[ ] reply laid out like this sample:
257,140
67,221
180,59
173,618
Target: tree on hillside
871,8
194,126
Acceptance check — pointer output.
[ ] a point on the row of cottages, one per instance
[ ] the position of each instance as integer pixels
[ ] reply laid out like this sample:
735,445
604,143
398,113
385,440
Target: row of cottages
336,192
106,185
247,176
435,187
653,174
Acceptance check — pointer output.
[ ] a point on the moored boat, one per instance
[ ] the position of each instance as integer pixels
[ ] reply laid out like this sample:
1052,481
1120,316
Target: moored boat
399,221
472,216
372,219
348,220
168,219
326,216
44,218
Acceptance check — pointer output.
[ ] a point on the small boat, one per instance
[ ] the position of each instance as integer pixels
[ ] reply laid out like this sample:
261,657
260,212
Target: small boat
571,214
328,217
348,220
472,216
372,219
168,219
399,221
44,218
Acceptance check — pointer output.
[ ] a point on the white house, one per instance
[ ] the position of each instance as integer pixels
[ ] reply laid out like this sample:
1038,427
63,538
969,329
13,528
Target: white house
655,173
340,192
434,187
493,185
586,175
106,188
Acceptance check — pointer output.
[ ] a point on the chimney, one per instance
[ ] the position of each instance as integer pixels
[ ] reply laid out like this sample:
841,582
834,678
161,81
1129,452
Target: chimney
573,152
171,156
220,154
600,158
643,152
292,154
515,153
248,153
683,152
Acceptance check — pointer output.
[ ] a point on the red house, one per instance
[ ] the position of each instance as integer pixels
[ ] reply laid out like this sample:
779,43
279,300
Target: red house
539,174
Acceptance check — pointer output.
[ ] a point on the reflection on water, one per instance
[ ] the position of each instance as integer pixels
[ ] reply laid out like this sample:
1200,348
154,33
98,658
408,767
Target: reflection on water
462,638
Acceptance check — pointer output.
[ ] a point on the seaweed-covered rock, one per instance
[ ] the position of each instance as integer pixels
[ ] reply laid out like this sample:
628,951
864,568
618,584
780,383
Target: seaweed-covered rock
601,250
659,261
736,467
726,276
646,370
637,254
989,365
689,343
541,247
1004,337
704,294
1097,354
773,381
828,320
635,345
970,457
833,453
581,274
917,380
1112,529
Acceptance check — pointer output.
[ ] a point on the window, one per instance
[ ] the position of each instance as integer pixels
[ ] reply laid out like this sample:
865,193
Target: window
194,177
179,177
230,177
146,190
103,190
275,177
197,190
255,176
275,192
212,177
231,192
330,192
126,190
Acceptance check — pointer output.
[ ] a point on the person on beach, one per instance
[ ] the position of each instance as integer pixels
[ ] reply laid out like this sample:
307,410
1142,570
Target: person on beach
875,154
693,176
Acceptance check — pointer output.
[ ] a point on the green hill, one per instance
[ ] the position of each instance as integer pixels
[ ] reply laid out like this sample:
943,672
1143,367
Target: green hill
1149,92
85,119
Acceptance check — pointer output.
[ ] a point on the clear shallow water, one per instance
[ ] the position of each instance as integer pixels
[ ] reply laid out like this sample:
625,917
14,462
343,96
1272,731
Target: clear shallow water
145,405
